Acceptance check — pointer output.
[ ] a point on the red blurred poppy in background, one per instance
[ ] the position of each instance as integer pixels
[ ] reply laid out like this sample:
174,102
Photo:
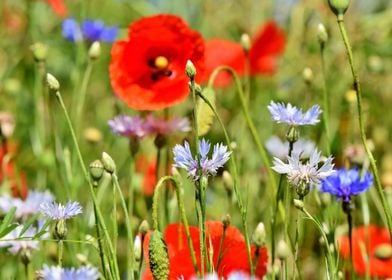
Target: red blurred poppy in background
370,242
266,47
148,169
147,70
233,255
58,7
15,180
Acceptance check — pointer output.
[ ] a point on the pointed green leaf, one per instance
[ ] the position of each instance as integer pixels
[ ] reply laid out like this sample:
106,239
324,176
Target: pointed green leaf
8,229
205,116
28,224
8,219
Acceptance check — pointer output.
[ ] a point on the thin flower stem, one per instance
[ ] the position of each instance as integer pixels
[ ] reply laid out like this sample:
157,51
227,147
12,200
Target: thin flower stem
87,177
83,91
60,252
325,99
114,221
181,207
100,246
357,87
236,179
130,256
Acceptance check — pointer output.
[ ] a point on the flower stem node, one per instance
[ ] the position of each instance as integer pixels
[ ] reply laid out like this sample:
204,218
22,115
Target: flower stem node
108,163
159,257
293,134
190,70
259,235
52,82
60,229
96,170
299,204
339,7
95,51
322,34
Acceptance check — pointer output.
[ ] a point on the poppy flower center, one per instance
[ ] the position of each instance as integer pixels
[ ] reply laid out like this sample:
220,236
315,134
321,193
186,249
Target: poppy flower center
161,62
160,67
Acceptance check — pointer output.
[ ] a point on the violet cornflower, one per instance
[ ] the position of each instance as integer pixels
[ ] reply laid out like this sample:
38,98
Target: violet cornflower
92,30
346,182
154,125
61,212
57,272
183,158
293,116
132,127
71,30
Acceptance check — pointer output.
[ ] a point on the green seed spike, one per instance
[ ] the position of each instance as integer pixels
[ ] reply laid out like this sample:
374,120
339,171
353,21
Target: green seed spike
159,257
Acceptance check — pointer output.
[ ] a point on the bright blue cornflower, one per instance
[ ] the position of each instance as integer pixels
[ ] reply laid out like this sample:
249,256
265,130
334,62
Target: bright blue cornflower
59,273
60,212
71,30
345,183
95,30
183,159
293,116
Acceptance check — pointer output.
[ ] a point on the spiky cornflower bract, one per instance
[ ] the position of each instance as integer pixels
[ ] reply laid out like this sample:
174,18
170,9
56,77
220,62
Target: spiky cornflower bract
293,116
346,182
183,158
57,211
57,272
304,176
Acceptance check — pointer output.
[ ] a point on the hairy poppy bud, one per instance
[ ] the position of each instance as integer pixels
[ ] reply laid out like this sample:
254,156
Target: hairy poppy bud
259,235
159,257
299,204
307,75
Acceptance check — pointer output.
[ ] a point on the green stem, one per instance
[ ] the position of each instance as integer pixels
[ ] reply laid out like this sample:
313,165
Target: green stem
243,211
325,100
60,252
83,91
181,206
87,177
357,87
100,246
114,221
130,256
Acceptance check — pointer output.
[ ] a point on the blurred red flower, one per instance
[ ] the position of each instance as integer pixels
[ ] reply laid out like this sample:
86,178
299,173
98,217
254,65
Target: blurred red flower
58,7
16,181
233,256
266,47
370,242
147,71
148,169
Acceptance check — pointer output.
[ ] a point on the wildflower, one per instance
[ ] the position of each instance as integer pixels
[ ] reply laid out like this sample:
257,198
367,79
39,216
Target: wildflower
18,243
183,159
277,148
96,30
148,169
147,71
58,7
26,207
228,258
132,127
153,125
345,183
57,272
304,175
371,249
266,47
60,212
293,116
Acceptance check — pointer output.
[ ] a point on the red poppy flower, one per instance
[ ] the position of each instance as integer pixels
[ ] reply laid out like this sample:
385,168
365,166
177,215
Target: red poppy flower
232,254
16,181
372,243
148,168
147,70
266,48
58,7
221,52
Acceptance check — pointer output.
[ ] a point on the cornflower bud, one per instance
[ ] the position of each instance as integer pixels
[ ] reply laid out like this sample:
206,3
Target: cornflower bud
307,75
282,250
228,182
322,34
95,50
108,163
190,70
245,42
259,235
52,82
96,170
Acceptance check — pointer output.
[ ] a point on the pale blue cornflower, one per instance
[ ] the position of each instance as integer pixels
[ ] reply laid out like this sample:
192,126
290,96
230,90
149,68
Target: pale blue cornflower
308,174
345,183
27,207
61,212
59,273
154,125
202,164
132,127
293,116
277,148
92,30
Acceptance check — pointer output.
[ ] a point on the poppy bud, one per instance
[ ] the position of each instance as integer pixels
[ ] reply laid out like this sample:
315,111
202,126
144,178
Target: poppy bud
159,257
52,82
226,221
144,227
95,50
259,235
137,248
282,250
190,70
245,42
339,7
40,51
307,75
383,251
96,170
322,34
108,163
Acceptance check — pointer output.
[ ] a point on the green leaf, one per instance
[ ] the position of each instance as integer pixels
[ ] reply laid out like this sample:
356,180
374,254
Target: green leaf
8,219
29,223
8,229
43,229
205,116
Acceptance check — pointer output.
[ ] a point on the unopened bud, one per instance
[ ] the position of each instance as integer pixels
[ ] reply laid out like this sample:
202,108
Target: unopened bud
293,134
60,229
259,235
322,34
190,69
108,163
307,75
383,251
92,135
95,50
96,170
137,248
52,82
158,256
282,250
299,204
40,51
339,7
228,182
82,258
144,227
226,221
245,42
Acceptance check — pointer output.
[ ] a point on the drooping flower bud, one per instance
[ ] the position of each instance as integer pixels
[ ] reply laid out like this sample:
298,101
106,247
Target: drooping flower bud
226,221
95,50
190,70
137,248
144,227
245,42
159,257
322,34
108,163
259,235
339,7
52,82
282,250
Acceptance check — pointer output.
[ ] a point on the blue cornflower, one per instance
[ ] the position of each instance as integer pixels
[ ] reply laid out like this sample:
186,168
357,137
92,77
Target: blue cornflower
293,116
59,273
60,212
95,30
183,159
127,126
71,30
345,183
